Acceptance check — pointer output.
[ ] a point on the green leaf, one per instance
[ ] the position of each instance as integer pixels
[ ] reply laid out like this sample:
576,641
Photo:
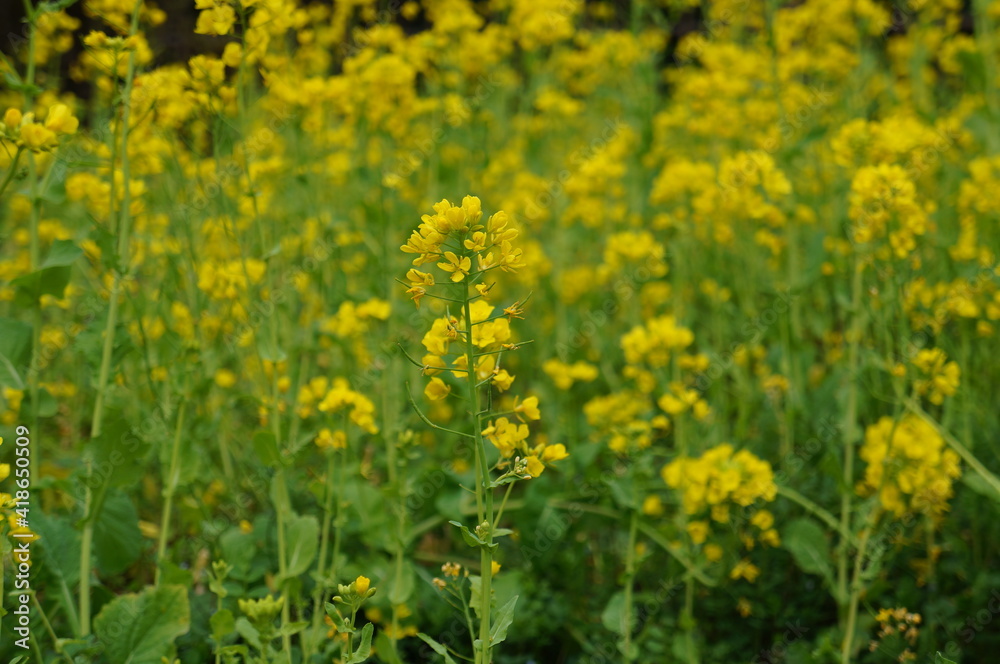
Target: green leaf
15,342
338,620
383,646
291,629
60,547
120,452
436,647
506,479
9,377
47,404
117,538
61,254
141,628
807,543
248,632
269,351
402,585
504,617
364,650
470,537
266,447
941,659
302,540
52,277
223,624
976,482
613,616
237,549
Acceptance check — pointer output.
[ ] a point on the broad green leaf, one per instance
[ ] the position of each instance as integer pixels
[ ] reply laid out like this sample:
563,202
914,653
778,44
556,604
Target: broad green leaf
504,617
15,344
613,616
120,452
364,650
248,632
59,546
140,628
436,647
383,646
291,629
807,543
402,584
302,540
61,254
117,538
237,549
223,624
53,275
266,447
9,375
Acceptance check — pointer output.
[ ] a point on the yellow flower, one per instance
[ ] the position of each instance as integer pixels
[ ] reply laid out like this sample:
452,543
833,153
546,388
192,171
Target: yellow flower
746,570
36,138
60,120
535,466
698,530
527,408
495,567
437,389
215,20
555,452
652,506
361,584
327,439
458,267
12,119
502,380
225,378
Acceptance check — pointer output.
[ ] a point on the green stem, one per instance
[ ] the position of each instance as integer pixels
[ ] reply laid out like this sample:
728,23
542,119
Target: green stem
484,495
169,489
321,570
850,434
633,528
689,619
48,627
856,587
110,327
817,511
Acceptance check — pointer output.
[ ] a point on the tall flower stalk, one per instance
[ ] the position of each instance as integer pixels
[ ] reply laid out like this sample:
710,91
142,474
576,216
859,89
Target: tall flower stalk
468,252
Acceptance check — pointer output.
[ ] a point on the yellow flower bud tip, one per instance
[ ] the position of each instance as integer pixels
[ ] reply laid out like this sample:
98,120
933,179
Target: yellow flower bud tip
495,568
361,584
12,119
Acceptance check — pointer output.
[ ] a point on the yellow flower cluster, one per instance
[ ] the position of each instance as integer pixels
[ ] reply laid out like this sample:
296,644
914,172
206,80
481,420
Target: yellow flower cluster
24,131
939,377
720,478
884,203
564,374
334,396
909,467
490,244
511,438
654,342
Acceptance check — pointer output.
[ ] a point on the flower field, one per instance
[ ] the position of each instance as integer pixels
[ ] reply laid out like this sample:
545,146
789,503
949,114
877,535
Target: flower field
513,332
